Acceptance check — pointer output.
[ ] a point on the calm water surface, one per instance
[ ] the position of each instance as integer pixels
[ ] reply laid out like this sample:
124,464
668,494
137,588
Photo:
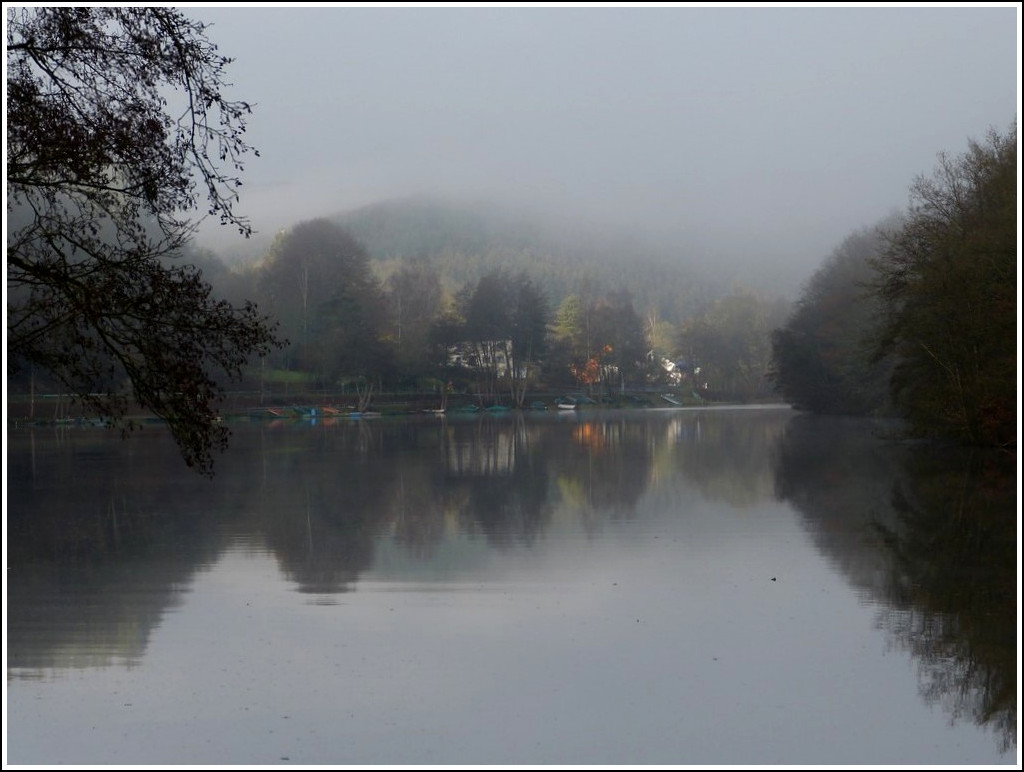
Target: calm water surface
645,587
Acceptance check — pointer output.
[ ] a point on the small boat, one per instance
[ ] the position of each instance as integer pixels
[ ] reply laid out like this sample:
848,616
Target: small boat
671,399
567,405
281,412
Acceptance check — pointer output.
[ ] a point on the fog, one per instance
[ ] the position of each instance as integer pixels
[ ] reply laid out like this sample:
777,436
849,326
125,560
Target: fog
744,134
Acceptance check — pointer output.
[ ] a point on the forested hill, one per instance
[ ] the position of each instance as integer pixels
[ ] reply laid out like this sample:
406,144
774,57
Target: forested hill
464,242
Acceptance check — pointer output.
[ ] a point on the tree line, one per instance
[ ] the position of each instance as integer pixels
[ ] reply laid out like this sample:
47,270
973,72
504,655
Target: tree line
499,337
918,317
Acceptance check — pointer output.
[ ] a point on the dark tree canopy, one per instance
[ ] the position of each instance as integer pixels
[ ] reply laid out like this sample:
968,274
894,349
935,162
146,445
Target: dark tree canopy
821,356
921,314
505,318
317,279
117,130
948,282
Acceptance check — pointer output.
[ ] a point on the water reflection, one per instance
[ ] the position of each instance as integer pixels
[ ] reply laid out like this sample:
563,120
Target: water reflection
951,586
105,538
728,455
929,535
88,517
86,509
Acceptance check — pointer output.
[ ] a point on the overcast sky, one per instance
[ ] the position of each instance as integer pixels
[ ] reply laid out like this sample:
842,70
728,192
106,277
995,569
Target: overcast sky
745,132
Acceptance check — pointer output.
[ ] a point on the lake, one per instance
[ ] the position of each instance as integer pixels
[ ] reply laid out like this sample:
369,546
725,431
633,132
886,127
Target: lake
673,587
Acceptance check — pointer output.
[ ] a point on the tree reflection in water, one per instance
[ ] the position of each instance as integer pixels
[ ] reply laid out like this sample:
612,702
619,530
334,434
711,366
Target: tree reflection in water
928,534
952,582
499,478
602,467
928,538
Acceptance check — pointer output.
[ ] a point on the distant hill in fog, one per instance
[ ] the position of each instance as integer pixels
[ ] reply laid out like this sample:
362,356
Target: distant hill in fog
465,241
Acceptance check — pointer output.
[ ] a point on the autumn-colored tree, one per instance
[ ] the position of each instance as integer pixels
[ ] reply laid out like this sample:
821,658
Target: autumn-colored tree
600,339
619,330
591,372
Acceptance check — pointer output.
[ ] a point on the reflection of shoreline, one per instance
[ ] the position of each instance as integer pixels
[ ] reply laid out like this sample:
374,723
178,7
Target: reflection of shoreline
929,534
726,453
87,514
69,629
87,510
75,613
952,588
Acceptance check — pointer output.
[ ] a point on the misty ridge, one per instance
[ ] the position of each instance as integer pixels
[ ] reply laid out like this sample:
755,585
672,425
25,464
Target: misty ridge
466,241
463,240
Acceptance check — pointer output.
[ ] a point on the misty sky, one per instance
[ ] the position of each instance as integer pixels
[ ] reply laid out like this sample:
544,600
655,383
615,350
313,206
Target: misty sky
754,134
